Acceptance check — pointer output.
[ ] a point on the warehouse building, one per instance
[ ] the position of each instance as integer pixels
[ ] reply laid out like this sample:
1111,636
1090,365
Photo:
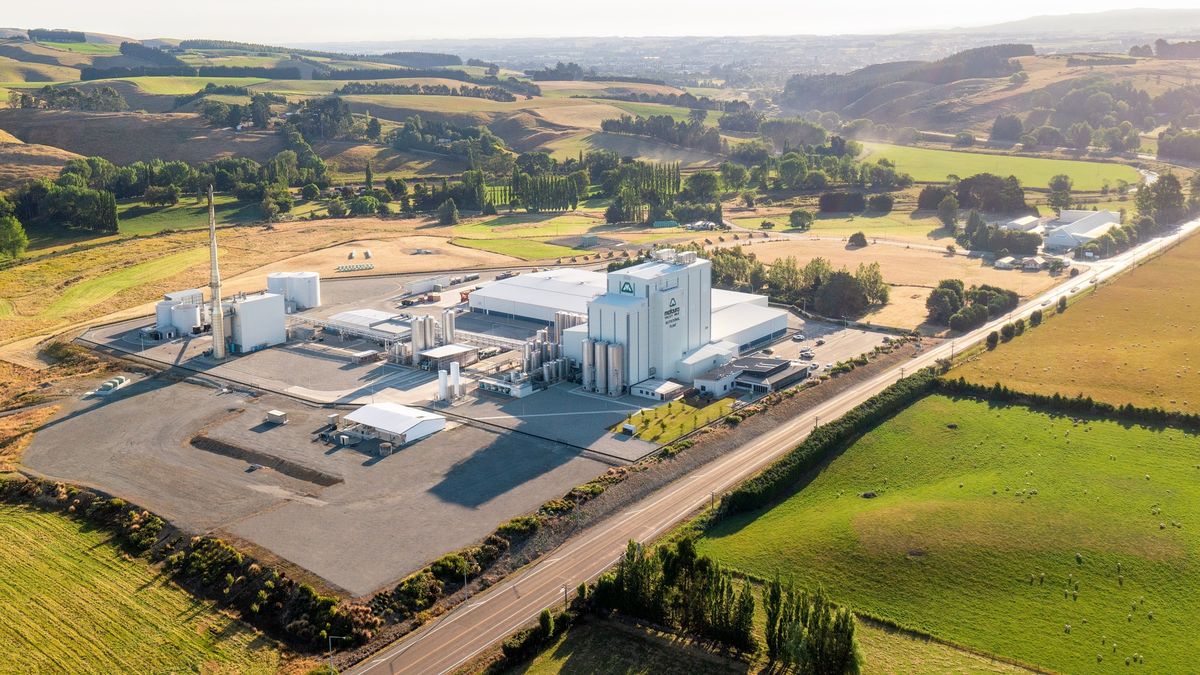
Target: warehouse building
539,295
1074,228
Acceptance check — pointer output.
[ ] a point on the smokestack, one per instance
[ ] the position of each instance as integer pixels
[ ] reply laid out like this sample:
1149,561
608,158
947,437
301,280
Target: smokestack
218,312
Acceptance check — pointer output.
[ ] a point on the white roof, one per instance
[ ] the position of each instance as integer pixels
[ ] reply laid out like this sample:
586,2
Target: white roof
180,296
708,351
365,318
659,386
737,318
446,351
566,289
722,299
1080,222
653,269
393,418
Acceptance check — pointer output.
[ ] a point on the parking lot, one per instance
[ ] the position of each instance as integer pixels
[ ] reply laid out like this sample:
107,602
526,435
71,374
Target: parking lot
838,343
385,518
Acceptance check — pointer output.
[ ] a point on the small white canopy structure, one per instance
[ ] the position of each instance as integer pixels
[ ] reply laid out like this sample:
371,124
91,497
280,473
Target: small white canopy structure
396,423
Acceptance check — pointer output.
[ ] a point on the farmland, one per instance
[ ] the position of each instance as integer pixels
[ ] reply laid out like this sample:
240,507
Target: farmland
1130,341
911,272
525,249
75,603
926,164
971,505
895,225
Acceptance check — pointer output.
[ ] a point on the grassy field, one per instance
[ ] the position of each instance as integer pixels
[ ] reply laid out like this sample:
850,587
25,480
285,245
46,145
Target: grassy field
678,113
74,603
974,504
136,217
527,225
95,48
894,225
934,165
1130,341
525,249
84,294
174,86
666,423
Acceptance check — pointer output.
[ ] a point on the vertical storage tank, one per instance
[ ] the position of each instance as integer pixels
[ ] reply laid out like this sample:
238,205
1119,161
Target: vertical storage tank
601,367
185,318
586,365
616,369
162,316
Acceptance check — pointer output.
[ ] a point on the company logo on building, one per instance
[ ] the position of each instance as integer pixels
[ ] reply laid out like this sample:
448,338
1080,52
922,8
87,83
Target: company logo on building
627,287
673,303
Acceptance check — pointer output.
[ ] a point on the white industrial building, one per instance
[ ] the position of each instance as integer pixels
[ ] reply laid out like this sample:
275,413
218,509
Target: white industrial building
300,290
393,423
256,321
1074,228
538,295
656,321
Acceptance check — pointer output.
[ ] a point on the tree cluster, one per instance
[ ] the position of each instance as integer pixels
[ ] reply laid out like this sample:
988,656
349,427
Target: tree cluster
98,99
978,235
807,633
963,309
674,586
685,133
374,88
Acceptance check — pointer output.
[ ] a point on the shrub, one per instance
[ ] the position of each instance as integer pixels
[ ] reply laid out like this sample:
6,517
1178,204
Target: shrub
1062,304
450,567
1035,318
993,339
858,240
881,203
519,527
1008,331
310,192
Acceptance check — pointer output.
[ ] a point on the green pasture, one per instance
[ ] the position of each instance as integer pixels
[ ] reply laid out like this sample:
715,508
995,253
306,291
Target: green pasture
525,249
927,164
1059,542
74,603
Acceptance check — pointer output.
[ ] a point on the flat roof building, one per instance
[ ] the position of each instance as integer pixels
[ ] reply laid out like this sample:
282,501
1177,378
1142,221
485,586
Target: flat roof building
539,295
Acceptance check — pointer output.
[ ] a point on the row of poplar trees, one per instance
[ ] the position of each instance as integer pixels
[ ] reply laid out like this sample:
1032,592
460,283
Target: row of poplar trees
675,587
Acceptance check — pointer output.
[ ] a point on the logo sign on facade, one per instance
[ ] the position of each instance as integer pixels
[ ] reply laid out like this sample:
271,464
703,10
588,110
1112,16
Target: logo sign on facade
671,314
627,287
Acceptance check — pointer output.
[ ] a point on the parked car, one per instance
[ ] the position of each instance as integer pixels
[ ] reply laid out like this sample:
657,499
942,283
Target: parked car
820,341
814,366
798,337
768,351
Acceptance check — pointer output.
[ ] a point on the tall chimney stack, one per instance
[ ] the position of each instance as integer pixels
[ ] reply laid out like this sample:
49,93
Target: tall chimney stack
214,286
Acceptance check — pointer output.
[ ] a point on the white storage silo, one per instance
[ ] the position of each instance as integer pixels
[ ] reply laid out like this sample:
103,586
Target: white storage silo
616,369
443,382
306,290
185,317
448,325
162,316
601,359
586,365
455,379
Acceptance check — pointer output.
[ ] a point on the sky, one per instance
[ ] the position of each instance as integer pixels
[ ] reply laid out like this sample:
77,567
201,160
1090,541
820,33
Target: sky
295,21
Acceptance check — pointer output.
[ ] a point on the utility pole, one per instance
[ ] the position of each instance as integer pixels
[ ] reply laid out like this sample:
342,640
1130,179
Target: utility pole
564,597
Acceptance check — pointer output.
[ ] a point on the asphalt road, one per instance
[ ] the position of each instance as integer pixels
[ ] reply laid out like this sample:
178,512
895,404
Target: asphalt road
461,634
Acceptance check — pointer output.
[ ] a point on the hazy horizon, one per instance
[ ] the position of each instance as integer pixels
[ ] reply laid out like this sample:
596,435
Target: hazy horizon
309,21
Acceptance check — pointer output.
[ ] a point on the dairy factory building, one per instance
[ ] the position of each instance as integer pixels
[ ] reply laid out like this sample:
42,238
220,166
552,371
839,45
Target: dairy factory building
656,321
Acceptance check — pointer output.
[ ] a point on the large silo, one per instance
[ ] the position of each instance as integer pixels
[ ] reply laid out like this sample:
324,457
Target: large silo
601,367
588,363
616,369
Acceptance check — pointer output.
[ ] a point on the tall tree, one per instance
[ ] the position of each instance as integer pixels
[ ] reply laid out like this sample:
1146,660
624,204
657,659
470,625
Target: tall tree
13,240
